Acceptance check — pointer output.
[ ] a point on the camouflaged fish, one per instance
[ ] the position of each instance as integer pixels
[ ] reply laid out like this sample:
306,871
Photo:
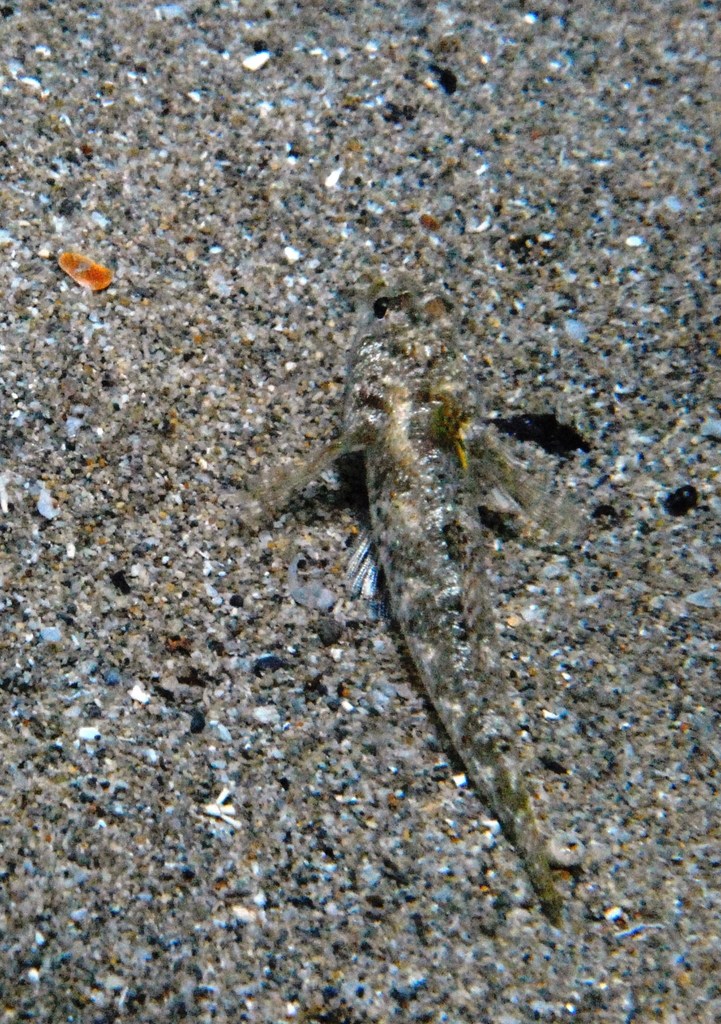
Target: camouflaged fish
428,459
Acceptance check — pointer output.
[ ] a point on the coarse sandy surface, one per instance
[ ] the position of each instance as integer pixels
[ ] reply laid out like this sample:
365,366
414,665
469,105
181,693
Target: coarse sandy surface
554,172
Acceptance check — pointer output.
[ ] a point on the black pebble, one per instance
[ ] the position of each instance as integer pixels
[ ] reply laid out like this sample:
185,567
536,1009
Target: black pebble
268,663
197,721
329,631
68,207
118,580
446,79
681,501
553,765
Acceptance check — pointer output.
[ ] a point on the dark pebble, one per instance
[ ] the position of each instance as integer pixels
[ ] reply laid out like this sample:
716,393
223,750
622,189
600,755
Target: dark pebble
197,721
120,582
68,207
553,765
268,663
681,501
446,79
329,631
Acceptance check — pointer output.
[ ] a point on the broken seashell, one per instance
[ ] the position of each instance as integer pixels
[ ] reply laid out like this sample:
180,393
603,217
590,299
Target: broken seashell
85,271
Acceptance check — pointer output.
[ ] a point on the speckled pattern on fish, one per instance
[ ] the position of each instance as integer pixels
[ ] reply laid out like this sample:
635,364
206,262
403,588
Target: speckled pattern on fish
429,461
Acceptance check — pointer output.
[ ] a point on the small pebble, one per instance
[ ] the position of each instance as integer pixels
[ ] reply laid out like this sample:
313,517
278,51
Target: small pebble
256,61
613,913
268,663
88,733
51,635
223,732
708,598
267,714
197,721
46,505
429,222
681,501
120,582
446,79
72,426
329,631
575,329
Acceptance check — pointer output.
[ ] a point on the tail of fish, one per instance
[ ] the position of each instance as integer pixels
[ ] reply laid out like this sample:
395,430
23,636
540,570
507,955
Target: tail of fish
431,552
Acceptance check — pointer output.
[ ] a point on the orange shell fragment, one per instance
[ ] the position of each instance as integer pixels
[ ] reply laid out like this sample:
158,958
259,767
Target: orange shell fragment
85,271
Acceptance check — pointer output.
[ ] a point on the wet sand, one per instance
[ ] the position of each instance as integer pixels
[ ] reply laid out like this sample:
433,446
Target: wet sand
244,172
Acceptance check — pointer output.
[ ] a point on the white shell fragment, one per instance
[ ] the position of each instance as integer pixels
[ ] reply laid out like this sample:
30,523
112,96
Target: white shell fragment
50,635
333,178
220,808
88,733
5,479
46,505
139,694
73,425
169,12
256,61
267,714
245,915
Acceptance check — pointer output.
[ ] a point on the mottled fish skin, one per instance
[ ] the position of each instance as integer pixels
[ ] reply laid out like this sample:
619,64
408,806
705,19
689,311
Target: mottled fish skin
408,409
404,376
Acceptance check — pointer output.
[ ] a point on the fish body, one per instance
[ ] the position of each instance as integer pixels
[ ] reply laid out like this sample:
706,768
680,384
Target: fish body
407,408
